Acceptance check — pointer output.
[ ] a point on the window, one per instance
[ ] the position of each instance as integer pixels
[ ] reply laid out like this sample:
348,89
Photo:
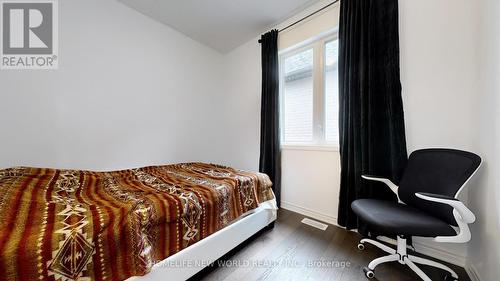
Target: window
298,101
309,94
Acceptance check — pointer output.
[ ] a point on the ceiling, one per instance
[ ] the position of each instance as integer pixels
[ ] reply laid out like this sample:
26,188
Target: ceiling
220,24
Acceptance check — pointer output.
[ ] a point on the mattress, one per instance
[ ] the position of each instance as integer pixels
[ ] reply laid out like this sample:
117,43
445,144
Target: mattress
84,225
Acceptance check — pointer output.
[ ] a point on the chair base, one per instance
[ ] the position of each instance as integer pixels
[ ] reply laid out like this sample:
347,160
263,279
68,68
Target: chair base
402,257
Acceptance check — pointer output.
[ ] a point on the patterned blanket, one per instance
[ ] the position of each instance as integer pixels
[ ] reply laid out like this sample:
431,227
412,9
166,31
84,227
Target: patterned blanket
82,225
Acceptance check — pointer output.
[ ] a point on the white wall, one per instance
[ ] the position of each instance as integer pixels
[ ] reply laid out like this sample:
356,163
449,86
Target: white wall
128,92
484,249
310,184
438,74
241,107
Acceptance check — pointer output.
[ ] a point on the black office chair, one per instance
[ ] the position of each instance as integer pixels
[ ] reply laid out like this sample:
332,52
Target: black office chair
428,207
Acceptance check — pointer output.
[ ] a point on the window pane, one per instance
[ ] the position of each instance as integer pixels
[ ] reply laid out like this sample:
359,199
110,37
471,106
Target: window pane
298,98
331,92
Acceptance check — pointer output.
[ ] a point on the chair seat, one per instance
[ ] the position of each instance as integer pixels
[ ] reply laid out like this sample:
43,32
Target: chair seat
391,218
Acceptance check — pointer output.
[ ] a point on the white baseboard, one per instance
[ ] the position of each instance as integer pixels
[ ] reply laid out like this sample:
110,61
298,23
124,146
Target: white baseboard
439,253
472,272
308,212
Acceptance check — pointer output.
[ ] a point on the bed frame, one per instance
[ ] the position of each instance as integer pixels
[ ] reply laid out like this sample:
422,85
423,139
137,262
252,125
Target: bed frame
193,259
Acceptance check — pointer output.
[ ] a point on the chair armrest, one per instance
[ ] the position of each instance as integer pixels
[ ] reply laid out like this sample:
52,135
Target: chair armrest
437,196
388,182
465,213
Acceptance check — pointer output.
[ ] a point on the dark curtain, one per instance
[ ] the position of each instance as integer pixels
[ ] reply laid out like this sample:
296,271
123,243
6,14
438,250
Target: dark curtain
372,133
270,153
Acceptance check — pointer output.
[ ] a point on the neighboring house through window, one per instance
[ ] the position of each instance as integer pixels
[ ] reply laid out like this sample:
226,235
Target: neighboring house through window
309,94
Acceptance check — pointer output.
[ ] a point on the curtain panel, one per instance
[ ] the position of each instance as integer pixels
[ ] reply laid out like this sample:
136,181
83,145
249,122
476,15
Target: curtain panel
371,121
270,153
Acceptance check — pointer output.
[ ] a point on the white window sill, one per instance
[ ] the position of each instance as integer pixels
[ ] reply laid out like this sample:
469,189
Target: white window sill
309,147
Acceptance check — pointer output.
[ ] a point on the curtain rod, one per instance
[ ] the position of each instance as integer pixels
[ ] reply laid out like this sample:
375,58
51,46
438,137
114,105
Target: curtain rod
306,17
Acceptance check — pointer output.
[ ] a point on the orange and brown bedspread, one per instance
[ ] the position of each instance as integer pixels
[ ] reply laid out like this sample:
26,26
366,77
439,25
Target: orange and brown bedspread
82,225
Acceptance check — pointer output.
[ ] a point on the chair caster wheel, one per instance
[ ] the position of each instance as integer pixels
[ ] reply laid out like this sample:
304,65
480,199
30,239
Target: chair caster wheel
448,277
361,246
368,273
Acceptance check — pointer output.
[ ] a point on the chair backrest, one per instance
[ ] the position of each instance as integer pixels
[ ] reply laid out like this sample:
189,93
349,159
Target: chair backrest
438,171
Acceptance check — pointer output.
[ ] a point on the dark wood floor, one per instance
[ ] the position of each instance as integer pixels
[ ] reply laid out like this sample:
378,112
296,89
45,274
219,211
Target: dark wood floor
294,251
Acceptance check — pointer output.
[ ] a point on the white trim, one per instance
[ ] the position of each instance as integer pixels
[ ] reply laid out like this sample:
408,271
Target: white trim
472,272
325,36
307,147
308,212
319,108
193,259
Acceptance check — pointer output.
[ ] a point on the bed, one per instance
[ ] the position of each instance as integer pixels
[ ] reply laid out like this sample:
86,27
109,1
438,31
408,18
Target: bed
148,223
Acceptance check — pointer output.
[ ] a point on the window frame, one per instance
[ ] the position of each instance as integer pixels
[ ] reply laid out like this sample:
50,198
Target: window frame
318,45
